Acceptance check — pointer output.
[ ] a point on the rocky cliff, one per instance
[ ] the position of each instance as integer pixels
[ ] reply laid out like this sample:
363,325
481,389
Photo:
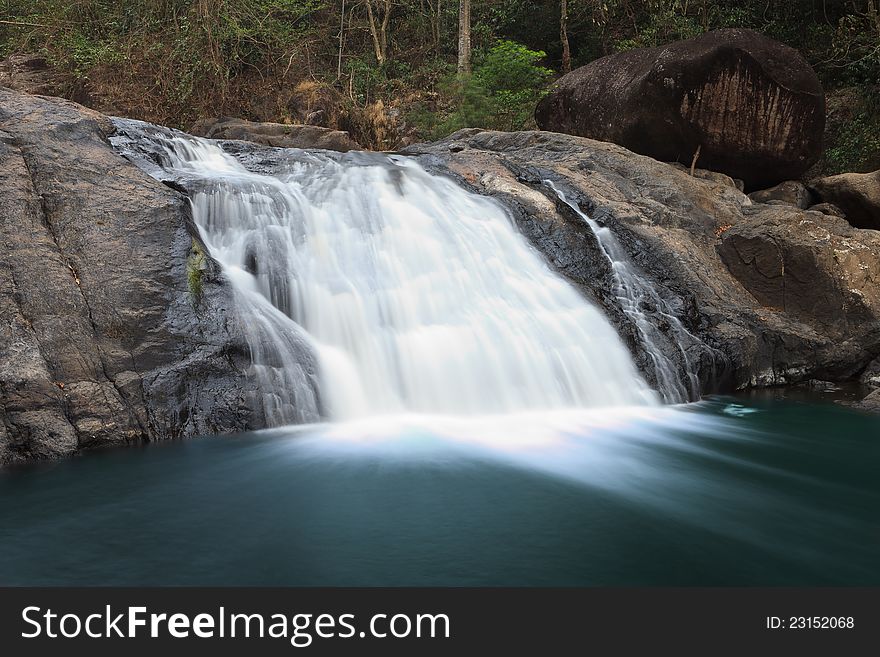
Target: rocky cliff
117,327
103,339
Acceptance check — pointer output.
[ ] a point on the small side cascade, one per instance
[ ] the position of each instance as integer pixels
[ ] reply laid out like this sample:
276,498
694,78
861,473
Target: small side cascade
633,292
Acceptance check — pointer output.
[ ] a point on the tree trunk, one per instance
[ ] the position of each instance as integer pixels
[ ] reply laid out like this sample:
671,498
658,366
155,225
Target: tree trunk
464,37
563,36
378,46
379,31
383,31
341,41
435,23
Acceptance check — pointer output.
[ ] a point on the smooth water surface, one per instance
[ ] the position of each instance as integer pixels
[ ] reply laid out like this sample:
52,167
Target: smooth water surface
723,492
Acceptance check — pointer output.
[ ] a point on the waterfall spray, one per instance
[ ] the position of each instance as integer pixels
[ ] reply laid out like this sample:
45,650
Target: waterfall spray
414,294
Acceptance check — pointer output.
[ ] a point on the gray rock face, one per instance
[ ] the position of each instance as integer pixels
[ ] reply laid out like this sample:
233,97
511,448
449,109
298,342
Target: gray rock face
790,192
278,135
101,339
818,271
753,106
772,294
857,194
871,403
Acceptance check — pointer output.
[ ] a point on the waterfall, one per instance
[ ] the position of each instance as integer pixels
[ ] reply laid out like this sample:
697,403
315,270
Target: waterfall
413,294
633,291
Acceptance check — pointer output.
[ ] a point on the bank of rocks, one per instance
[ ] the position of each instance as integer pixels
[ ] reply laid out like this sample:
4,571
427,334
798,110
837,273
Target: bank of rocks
772,294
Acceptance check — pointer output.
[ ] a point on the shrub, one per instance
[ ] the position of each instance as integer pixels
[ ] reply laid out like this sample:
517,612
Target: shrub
857,144
195,267
502,92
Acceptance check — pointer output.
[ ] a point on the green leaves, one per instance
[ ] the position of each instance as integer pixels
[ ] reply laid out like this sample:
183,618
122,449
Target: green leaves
856,147
502,92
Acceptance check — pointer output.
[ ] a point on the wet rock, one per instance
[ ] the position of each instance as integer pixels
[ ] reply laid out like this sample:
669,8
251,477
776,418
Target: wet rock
102,341
871,403
857,194
753,107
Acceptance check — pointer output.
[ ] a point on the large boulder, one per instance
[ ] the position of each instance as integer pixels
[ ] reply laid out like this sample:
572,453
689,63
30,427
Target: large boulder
769,294
857,194
103,340
753,106
280,135
813,267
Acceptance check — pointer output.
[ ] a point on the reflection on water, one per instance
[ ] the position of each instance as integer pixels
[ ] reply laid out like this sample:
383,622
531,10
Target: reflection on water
724,492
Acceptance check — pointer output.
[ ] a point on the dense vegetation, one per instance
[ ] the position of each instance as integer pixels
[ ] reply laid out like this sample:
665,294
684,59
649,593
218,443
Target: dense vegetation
386,69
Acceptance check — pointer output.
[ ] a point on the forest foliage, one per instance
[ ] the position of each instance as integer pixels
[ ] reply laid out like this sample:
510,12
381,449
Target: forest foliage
387,69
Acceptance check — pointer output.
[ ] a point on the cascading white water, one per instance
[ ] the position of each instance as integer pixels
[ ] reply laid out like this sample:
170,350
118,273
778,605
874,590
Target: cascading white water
414,294
632,291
